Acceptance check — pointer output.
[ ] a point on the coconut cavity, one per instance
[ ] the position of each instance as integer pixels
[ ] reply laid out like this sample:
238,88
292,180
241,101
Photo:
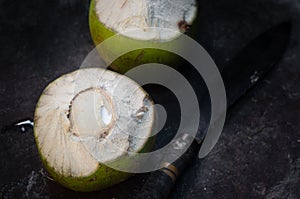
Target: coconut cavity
87,118
91,114
138,19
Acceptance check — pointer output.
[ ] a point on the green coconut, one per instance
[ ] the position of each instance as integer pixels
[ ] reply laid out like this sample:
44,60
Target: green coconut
88,119
134,21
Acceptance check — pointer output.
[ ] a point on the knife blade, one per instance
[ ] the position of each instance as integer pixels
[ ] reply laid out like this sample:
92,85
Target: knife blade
252,63
244,70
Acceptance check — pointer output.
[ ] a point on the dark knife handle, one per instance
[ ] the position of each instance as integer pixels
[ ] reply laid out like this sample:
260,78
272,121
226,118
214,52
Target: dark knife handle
160,183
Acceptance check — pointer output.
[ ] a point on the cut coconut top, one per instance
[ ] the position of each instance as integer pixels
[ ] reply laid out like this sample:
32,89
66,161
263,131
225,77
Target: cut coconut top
138,19
91,116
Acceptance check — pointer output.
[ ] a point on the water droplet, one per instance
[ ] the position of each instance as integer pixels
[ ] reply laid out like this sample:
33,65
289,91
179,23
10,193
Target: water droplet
105,115
21,126
140,113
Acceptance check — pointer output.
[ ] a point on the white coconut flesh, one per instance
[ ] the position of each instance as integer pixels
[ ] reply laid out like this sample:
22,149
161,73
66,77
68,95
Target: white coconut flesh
89,117
138,19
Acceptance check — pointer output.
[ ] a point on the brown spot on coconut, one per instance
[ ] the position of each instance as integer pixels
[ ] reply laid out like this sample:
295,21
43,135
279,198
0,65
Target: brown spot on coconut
83,123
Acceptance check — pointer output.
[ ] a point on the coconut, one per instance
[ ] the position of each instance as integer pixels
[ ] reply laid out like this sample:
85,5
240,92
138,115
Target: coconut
140,22
88,119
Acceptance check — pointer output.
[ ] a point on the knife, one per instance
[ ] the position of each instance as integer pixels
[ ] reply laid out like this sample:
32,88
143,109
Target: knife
250,65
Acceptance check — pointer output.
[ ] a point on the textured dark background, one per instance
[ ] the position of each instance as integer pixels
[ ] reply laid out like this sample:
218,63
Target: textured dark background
258,154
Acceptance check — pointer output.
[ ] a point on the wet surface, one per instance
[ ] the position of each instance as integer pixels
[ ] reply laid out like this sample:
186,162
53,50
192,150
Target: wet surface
258,154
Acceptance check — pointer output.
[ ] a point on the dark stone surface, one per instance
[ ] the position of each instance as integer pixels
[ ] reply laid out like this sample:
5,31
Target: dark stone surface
258,154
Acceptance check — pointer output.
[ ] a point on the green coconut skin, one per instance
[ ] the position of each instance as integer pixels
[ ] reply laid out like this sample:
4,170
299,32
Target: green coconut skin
100,32
104,176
